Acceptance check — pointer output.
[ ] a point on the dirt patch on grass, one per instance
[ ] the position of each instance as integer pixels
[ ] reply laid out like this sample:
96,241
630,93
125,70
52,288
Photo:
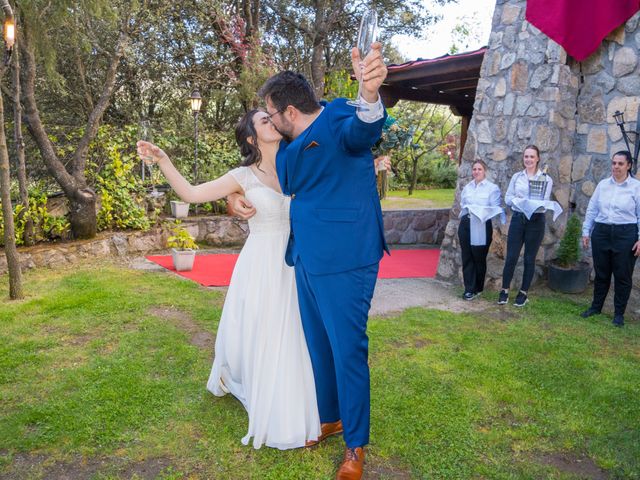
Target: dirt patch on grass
580,466
379,469
422,342
198,337
27,466
149,468
413,343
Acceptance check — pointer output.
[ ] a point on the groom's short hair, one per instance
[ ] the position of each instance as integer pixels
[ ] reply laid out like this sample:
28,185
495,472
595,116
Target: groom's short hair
290,88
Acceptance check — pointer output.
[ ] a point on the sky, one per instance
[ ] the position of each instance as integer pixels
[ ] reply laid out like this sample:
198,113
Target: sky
437,39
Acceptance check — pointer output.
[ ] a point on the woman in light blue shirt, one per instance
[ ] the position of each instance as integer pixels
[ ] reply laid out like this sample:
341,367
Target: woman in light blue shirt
522,230
612,223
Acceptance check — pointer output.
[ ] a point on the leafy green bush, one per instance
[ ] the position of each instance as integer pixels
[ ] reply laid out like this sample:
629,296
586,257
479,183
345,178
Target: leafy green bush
568,253
441,173
122,193
46,227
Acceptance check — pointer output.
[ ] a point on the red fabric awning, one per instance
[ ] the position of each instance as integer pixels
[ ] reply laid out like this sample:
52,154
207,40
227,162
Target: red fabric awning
579,25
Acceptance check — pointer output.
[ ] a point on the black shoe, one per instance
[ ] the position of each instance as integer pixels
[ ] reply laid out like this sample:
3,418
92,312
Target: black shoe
589,312
503,298
618,320
469,296
521,299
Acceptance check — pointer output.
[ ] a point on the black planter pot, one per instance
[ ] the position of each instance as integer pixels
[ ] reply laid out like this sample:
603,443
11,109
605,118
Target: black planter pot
569,280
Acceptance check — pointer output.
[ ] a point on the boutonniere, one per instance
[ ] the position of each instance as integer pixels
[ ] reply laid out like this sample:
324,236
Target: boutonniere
313,144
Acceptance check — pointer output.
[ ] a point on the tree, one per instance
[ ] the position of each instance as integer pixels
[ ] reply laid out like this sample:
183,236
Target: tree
70,176
315,36
13,261
433,126
465,33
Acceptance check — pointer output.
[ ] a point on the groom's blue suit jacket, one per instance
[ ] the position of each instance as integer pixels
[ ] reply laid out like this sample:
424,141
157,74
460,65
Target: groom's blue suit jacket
336,220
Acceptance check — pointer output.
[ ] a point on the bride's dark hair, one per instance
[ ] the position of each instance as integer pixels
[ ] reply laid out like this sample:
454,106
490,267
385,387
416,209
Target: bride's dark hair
247,140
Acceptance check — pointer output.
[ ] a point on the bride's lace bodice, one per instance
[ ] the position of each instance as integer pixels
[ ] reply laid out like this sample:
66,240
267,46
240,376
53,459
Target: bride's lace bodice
272,207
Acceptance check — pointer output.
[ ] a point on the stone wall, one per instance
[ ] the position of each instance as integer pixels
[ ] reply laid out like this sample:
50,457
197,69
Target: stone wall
217,231
415,226
531,92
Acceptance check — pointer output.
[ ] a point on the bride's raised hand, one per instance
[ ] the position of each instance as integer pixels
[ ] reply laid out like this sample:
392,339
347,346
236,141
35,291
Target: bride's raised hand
149,153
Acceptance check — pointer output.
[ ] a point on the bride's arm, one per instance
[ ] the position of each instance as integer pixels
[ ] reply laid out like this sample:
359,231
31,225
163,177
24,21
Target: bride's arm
205,192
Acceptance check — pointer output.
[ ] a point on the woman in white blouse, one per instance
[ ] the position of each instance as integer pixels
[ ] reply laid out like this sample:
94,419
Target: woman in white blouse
612,222
475,229
522,230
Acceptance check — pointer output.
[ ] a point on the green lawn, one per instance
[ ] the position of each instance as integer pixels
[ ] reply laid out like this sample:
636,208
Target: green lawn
435,198
103,372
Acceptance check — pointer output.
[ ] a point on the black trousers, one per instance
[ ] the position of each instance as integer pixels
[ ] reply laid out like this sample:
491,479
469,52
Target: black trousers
474,257
611,250
530,234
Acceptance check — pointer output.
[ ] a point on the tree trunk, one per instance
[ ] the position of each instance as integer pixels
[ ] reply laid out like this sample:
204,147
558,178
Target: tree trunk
10,251
19,142
82,213
317,55
317,66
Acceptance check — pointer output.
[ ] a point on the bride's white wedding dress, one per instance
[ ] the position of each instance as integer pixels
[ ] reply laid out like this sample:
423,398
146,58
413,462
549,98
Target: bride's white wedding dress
261,354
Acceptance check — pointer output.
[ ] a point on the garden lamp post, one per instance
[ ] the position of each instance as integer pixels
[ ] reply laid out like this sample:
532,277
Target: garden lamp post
619,118
196,103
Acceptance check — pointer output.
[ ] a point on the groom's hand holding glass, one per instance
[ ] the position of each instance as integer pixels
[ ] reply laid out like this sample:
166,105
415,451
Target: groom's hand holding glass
374,71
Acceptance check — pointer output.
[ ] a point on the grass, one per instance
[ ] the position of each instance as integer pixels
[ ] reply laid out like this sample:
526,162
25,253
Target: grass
433,198
99,378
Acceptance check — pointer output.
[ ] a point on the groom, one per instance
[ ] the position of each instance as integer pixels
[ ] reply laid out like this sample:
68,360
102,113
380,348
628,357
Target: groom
336,243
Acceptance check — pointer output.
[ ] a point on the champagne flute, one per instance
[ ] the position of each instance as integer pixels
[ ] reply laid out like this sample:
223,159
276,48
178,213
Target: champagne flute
146,134
367,34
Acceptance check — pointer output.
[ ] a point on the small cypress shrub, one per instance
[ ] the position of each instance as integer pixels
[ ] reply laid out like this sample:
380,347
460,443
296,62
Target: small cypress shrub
568,253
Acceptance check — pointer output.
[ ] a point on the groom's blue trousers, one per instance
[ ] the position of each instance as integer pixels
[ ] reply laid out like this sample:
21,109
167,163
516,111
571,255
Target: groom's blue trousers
334,309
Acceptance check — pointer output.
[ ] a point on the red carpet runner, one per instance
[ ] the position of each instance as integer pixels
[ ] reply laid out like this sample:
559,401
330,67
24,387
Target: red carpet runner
215,270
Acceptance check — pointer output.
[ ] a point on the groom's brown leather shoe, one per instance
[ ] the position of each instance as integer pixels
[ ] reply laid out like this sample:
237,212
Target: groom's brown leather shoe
326,430
352,465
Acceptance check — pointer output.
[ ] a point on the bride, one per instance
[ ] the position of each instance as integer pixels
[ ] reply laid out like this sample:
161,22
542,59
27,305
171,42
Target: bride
261,356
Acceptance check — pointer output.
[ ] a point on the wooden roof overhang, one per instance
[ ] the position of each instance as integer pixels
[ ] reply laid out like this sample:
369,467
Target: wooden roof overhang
448,80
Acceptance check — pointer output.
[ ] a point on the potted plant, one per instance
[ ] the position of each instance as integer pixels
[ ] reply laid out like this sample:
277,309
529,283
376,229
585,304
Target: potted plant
179,209
183,248
568,273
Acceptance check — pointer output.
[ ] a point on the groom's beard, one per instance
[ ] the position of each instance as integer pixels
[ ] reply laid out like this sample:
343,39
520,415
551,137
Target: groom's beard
286,130
286,137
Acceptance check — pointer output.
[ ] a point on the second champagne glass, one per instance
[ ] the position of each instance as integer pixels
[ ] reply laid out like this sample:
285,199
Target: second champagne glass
366,36
146,134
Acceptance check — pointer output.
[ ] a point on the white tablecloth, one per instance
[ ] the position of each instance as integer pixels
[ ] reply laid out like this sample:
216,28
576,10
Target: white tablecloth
529,206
